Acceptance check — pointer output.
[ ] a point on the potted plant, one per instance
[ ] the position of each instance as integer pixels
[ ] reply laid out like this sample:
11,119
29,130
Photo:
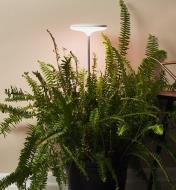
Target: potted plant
89,127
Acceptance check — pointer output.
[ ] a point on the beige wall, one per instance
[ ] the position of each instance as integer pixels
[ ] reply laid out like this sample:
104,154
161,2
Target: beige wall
9,150
23,39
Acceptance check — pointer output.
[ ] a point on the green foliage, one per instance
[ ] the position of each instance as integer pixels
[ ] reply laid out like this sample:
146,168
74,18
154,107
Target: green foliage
152,46
88,118
17,95
124,38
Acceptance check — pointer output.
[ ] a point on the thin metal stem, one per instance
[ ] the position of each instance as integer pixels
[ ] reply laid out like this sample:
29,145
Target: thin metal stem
165,68
88,54
169,72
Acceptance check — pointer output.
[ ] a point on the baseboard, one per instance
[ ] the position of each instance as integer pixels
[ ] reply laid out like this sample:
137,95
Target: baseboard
133,182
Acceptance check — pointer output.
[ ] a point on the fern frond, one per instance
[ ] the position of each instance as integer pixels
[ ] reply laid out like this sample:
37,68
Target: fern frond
9,180
8,123
148,156
120,64
150,72
78,163
162,167
44,86
22,111
149,64
152,46
39,169
16,114
101,166
94,66
51,75
109,56
36,88
76,61
94,117
112,172
29,148
124,38
15,94
58,170
68,74
39,181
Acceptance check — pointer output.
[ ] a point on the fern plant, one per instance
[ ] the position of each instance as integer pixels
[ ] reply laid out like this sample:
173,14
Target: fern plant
81,117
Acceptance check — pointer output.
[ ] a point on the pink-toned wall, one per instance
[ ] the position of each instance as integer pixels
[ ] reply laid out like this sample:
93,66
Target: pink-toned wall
23,40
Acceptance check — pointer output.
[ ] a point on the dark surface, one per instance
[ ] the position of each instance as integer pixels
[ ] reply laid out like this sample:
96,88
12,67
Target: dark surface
166,102
77,181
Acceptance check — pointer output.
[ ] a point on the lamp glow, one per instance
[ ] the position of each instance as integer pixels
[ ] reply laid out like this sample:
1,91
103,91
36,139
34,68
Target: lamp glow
88,29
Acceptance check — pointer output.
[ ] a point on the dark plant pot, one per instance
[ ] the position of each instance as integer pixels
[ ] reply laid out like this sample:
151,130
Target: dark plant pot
77,181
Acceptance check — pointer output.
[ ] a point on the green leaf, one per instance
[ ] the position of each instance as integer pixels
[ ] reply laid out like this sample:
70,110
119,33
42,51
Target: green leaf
121,130
157,129
94,117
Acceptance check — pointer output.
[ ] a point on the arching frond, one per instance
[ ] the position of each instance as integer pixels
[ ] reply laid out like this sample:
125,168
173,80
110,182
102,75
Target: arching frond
124,38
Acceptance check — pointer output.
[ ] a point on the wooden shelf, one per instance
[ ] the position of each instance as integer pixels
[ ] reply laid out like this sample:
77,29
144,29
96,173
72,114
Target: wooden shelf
171,94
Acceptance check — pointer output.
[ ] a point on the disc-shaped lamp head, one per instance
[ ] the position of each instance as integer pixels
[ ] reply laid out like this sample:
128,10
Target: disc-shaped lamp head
88,29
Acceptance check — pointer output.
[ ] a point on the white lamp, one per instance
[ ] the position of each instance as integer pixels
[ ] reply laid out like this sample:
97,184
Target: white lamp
88,29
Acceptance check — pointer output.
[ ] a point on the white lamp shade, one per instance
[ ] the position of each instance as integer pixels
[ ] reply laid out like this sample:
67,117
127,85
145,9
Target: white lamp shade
88,29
